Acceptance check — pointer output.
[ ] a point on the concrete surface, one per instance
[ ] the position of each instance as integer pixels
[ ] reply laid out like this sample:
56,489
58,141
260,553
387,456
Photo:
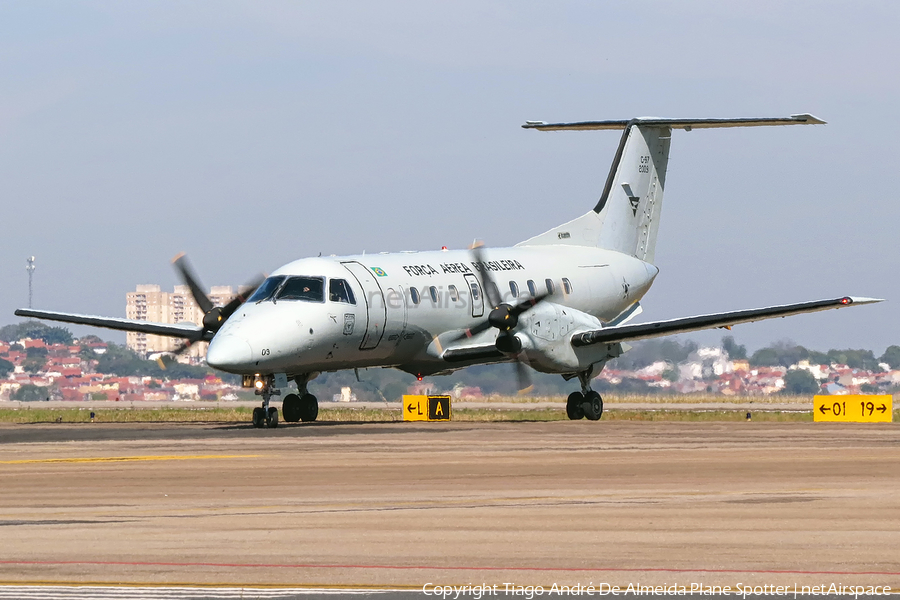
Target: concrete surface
404,504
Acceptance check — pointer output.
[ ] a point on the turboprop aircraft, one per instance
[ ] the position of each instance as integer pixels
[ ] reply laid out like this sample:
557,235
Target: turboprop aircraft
559,302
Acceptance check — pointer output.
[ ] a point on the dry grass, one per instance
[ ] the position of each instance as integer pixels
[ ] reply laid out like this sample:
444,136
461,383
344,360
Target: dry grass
351,414
611,398
125,415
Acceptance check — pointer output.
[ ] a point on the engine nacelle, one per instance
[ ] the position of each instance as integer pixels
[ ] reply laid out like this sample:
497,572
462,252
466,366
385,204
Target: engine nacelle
546,332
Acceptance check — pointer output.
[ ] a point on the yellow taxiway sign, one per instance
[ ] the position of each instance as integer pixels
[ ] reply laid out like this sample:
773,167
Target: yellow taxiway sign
853,409
426,408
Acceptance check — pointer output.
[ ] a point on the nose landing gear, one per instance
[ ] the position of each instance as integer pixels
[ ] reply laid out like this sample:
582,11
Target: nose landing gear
265,415
586,403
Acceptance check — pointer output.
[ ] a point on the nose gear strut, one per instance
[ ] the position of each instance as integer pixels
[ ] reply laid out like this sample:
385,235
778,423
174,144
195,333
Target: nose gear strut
265,415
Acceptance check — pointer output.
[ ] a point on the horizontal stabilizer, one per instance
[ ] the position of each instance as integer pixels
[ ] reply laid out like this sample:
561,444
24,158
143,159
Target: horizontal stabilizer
188,332
660,328
686,124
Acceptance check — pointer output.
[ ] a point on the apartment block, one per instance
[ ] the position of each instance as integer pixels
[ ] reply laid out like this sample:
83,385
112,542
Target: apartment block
150,303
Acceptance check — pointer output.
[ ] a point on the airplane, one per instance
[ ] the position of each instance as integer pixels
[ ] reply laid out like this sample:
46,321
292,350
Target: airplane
559,302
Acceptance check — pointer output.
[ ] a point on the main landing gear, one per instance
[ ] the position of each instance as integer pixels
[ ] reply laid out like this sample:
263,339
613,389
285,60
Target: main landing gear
300,408
586,403
303,407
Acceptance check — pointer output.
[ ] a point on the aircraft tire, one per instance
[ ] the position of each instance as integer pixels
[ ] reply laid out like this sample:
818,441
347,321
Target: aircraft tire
308,408
259,417
593,406
574,410
272,417
290,408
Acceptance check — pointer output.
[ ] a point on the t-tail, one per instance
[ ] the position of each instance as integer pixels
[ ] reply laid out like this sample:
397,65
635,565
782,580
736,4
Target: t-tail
626,218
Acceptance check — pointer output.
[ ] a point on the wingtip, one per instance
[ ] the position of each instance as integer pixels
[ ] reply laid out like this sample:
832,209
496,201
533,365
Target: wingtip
809,119
864,300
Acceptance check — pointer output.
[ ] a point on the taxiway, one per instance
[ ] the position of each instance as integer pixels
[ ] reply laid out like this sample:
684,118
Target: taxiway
404,504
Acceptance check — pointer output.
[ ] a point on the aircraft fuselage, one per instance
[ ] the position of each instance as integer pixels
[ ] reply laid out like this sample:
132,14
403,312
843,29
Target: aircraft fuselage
405,304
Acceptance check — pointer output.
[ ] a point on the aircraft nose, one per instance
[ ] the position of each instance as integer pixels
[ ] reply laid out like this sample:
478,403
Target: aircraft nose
229,353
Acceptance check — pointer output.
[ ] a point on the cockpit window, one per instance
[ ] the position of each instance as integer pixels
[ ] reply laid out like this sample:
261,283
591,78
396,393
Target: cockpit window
308,289
339,291
267,289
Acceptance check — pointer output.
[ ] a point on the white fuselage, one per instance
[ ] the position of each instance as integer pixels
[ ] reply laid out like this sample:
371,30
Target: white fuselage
406,307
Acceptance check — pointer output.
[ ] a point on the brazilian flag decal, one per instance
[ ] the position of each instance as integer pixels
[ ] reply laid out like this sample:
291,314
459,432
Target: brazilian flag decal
379,271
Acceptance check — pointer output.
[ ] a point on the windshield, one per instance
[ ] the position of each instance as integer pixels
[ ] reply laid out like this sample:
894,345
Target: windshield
265,291
339,291
308,289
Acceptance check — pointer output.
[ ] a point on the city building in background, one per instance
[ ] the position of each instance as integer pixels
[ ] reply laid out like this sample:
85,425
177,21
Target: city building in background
150,303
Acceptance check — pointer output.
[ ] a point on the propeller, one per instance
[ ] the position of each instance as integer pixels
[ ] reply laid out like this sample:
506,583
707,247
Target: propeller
213,316
504,317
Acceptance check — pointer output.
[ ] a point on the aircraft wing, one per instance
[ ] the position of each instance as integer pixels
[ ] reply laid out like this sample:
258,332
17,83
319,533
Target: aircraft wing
189,332
727,319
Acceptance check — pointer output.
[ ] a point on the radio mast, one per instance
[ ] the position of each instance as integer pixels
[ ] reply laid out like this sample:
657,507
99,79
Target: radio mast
29,266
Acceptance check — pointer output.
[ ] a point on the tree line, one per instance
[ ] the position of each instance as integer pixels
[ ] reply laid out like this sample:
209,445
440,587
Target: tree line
390,384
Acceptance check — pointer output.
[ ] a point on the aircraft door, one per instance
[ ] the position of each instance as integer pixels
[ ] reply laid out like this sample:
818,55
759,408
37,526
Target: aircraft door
373,298
475,295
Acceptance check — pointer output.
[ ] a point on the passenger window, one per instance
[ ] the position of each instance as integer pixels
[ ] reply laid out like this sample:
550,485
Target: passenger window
307,289
476,292
549,283
454,293
339,291
567,286
434,294
414,295
514,289
267,289
532,289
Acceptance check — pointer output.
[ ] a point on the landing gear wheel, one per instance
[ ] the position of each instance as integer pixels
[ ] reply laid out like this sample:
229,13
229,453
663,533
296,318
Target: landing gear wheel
574,410
291,408
272,417
259,417
593,406
308,408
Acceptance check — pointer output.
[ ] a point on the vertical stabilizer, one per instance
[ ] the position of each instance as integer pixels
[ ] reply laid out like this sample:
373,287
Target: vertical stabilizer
626,218
630,205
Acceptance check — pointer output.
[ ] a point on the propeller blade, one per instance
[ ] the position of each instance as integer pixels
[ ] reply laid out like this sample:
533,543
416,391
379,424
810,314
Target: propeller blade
473,331
242,296
491,291
174,354
527,304
187,275
523,373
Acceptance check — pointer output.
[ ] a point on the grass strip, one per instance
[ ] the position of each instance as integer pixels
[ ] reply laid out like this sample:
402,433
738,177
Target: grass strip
357,415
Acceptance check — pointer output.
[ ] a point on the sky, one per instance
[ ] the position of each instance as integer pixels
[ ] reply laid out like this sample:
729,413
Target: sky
250,134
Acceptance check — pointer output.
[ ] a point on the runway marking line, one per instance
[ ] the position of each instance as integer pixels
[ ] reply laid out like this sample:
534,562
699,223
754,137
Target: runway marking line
105,459
437,567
